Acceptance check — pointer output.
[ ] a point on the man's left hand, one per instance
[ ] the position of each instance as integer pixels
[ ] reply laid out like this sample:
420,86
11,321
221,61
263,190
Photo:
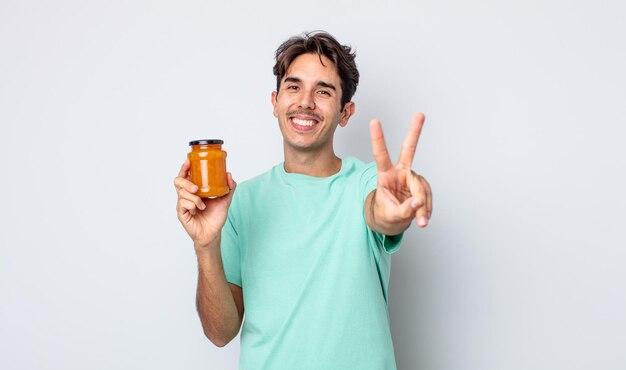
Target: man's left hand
401,194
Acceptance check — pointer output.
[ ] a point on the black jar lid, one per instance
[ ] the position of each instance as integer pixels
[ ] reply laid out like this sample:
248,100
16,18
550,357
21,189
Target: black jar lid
206,141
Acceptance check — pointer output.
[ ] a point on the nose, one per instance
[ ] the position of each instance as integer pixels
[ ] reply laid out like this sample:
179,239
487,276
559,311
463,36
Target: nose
306,101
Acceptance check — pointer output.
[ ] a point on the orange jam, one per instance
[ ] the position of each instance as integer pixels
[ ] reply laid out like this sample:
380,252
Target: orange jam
208,168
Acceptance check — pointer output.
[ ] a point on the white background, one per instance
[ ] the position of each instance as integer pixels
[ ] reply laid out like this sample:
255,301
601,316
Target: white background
522,266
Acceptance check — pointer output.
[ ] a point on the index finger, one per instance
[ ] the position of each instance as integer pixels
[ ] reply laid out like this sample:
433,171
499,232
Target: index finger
410,142
381,155
184,169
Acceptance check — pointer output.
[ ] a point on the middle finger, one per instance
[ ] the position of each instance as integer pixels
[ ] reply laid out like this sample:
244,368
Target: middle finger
184,194
409,145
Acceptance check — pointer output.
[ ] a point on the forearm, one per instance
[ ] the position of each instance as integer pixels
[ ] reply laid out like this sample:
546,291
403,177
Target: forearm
380,222
214,300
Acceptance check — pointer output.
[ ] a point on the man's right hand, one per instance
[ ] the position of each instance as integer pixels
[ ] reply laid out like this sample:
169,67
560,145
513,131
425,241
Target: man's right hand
203,219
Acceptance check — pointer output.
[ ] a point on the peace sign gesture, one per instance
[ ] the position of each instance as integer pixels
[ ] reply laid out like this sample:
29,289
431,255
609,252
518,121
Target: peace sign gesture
401,194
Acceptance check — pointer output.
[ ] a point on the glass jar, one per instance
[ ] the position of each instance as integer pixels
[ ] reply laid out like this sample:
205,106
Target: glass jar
208,168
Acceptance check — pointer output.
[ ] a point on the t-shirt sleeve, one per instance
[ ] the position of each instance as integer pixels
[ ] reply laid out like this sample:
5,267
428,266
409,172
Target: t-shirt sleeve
230,248
369,180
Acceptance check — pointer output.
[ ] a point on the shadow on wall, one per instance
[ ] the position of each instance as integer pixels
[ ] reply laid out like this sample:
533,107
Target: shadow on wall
410,297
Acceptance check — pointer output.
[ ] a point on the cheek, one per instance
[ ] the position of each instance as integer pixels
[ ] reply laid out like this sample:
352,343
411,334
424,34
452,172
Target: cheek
332,109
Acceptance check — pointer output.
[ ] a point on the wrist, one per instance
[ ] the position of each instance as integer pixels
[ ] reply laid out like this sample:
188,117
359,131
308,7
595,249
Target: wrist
203,248
390,228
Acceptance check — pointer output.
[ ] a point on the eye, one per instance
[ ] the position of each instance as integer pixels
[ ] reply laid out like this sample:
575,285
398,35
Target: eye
292,87
324,92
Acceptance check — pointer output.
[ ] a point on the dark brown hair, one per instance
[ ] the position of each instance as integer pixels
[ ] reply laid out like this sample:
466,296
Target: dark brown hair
321,43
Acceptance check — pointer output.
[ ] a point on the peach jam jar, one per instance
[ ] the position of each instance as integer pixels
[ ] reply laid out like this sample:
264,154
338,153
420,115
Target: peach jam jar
208,168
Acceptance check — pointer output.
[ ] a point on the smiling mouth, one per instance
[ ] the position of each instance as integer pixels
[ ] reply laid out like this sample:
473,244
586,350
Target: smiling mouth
303,123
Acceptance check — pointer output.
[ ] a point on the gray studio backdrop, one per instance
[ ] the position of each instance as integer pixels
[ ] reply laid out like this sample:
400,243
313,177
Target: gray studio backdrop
522,266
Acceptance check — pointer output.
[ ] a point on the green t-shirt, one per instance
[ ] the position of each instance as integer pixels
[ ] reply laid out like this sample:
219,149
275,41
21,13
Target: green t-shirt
314,276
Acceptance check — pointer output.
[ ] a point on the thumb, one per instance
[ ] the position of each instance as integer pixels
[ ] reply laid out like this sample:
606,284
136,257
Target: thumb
231,183
231,186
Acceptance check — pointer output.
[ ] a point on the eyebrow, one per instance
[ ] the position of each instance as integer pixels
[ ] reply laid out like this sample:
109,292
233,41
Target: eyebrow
319,83
327,85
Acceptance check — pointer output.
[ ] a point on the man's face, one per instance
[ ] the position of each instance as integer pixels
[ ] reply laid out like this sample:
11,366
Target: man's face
308,105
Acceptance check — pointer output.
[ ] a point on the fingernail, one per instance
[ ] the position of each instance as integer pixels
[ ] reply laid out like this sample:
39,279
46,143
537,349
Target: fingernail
202,206
414,203
423,221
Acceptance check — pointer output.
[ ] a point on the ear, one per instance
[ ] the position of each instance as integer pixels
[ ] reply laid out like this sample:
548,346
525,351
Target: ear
274,97
348,111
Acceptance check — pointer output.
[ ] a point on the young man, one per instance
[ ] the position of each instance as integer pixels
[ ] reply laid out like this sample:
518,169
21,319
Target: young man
306,246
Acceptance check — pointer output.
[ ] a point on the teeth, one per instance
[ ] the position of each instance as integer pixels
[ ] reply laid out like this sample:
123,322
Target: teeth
303,122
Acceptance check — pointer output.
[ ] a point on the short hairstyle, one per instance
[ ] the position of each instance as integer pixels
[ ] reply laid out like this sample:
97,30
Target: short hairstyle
321,43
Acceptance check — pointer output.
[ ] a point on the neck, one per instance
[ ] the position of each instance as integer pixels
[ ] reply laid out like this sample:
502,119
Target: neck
316,164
